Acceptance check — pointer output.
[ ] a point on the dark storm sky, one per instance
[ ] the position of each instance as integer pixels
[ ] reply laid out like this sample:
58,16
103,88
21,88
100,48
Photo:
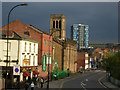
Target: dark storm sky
102,17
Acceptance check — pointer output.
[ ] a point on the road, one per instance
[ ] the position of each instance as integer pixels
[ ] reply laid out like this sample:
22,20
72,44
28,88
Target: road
86,80
90,79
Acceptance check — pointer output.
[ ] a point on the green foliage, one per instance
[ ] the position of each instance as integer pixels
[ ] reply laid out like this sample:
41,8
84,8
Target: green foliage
61,74
112,64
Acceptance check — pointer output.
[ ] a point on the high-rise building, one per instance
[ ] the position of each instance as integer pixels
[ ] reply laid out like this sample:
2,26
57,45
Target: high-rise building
57,26
79,33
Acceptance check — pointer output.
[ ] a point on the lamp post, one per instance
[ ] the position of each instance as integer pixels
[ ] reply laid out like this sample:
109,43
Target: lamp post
49,57
8,39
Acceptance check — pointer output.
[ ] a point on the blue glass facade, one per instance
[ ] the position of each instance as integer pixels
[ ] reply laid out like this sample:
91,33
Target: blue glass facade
80,34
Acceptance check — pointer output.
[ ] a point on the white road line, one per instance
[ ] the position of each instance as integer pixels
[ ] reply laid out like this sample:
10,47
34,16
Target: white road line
86,79
83,85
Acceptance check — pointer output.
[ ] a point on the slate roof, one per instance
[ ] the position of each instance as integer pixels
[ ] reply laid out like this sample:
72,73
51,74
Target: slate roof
16,36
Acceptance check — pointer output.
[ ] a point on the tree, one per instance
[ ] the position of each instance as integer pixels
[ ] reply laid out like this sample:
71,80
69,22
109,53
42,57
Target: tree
112,65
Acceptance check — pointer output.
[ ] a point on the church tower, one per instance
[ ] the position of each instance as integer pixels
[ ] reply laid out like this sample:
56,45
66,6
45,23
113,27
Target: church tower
57,26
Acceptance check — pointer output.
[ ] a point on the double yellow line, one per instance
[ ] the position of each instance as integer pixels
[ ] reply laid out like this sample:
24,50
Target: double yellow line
69,80
99,80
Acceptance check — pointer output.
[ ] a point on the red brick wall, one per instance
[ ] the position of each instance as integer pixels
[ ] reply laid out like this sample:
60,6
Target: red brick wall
21,28
80,59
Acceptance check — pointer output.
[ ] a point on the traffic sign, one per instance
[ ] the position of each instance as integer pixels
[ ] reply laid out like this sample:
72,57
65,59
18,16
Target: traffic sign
16,70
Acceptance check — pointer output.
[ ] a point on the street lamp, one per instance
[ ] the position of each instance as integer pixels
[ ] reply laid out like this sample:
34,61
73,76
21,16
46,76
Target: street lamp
49,57
8,37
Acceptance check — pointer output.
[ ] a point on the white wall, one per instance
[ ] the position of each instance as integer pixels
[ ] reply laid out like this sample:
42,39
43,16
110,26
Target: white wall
13,51
32,53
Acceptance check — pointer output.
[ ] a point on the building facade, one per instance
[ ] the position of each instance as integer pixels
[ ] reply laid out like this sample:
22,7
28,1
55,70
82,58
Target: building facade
22,50
70,55
79,33
64,50
80,60
39,35
57,55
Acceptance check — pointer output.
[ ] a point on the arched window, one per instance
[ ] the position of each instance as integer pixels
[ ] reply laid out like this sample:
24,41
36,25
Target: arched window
60,24
56,24
53,24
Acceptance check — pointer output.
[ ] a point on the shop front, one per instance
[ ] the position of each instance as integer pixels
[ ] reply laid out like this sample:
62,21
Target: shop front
28,73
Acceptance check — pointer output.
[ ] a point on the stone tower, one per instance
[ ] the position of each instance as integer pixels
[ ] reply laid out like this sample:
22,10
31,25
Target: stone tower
57,26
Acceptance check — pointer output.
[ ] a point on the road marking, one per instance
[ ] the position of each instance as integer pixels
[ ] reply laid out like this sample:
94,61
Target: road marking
83,85
99,80
83,75
86,79
70,79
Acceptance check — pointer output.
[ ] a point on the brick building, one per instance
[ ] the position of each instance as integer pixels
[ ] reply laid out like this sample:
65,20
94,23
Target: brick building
80,60
44,40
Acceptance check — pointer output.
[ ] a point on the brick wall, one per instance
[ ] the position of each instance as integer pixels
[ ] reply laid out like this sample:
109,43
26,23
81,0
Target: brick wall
80,59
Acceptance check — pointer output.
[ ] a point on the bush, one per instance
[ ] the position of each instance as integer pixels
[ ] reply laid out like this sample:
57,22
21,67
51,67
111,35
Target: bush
59,75
112,64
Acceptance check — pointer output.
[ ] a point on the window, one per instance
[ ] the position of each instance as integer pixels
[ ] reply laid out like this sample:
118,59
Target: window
44,42
29,60
60,24
5,57
56,24
29,47
9,46
34,47
53,24
33,60
50,43
47,43
25,46
25,57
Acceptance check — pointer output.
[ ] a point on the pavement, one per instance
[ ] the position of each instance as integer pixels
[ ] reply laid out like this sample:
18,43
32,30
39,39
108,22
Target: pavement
108,84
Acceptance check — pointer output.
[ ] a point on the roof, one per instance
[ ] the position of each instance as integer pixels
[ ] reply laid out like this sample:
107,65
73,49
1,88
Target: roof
37,30
69,41
16,36
61,42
